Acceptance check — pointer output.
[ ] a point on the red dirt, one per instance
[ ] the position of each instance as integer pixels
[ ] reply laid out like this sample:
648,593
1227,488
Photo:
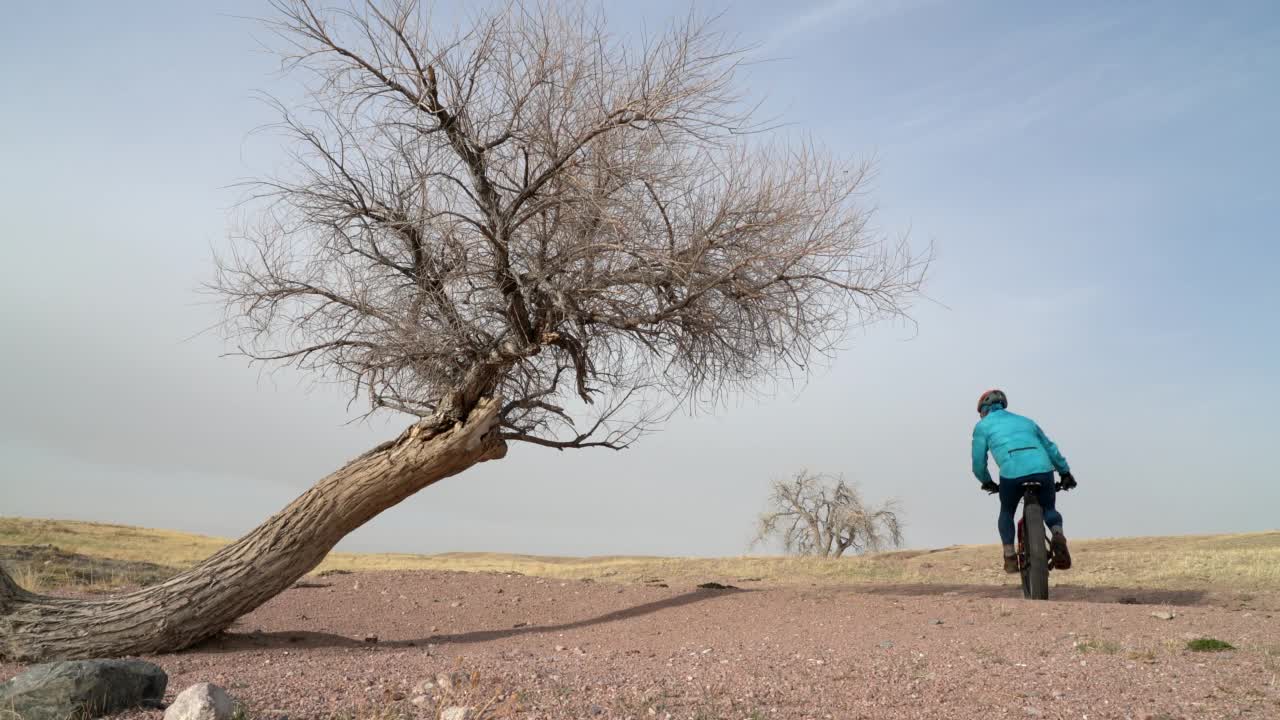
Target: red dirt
582,650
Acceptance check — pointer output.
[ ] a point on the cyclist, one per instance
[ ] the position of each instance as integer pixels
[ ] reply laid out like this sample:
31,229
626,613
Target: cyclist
1024,454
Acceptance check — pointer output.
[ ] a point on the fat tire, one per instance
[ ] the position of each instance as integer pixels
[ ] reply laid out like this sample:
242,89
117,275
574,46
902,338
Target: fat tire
1035,576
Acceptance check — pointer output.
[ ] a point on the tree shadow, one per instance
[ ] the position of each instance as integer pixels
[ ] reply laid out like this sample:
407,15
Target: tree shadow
236,641
1064,593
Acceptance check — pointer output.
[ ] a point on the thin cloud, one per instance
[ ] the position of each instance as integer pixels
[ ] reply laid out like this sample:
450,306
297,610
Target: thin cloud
828,15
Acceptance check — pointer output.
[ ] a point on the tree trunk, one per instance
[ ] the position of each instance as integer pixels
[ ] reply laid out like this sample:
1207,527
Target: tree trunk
198,603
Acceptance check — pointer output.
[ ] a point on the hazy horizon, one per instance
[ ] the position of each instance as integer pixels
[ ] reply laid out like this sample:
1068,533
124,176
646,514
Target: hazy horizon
1097,182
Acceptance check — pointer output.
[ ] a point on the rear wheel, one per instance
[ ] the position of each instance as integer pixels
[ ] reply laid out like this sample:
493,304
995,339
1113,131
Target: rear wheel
1035,572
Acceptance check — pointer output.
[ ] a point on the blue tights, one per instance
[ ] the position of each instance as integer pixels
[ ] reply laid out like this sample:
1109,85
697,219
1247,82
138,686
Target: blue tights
1011,495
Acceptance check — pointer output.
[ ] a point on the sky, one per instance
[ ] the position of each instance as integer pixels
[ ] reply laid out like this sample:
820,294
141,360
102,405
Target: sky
1097,181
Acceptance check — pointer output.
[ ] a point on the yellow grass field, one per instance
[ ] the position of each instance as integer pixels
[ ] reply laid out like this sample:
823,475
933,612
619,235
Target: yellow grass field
1245,562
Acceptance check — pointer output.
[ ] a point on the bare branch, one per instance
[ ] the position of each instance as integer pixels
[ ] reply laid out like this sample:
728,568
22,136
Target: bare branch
533,208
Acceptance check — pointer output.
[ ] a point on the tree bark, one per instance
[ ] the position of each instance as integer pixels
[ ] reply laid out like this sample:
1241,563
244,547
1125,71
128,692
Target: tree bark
201,602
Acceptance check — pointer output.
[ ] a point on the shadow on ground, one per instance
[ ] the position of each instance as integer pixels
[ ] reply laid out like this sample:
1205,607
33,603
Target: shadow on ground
301,639
234,641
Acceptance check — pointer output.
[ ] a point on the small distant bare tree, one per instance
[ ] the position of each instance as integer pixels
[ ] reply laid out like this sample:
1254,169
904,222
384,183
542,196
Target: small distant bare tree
816,514
525,230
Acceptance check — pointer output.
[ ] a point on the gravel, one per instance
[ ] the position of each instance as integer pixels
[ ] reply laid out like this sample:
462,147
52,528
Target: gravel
580,649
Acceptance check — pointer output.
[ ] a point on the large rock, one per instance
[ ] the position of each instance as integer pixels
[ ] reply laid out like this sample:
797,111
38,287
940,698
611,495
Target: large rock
204,701
82,689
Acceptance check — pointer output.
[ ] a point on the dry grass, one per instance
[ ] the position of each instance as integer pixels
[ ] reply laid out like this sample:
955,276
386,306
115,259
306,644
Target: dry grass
38,580
46,567
1241,562
1093,645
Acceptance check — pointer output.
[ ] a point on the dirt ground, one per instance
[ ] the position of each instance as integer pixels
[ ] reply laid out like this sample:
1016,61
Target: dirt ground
581,649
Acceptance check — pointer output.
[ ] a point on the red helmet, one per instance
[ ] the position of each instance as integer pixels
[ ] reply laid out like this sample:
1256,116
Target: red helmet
990,399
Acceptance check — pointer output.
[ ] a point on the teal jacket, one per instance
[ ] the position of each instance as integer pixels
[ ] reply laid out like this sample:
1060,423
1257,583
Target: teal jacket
1019,446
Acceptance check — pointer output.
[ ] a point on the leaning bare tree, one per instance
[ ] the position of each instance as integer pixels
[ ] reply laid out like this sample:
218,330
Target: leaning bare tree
526,230
822,515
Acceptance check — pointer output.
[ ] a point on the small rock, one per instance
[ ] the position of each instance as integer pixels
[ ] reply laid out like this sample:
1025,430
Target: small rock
1163,615
424,687
83,688
935,622
1032,712
456,712
559,648
579,651
597,710
887,644
204,701
420,701
455,604
371,638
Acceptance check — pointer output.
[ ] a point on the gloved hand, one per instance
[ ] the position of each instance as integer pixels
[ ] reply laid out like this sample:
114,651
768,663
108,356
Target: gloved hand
990,487
1068,481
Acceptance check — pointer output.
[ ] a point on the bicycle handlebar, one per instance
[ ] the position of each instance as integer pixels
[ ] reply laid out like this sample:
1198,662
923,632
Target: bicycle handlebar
1056,486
